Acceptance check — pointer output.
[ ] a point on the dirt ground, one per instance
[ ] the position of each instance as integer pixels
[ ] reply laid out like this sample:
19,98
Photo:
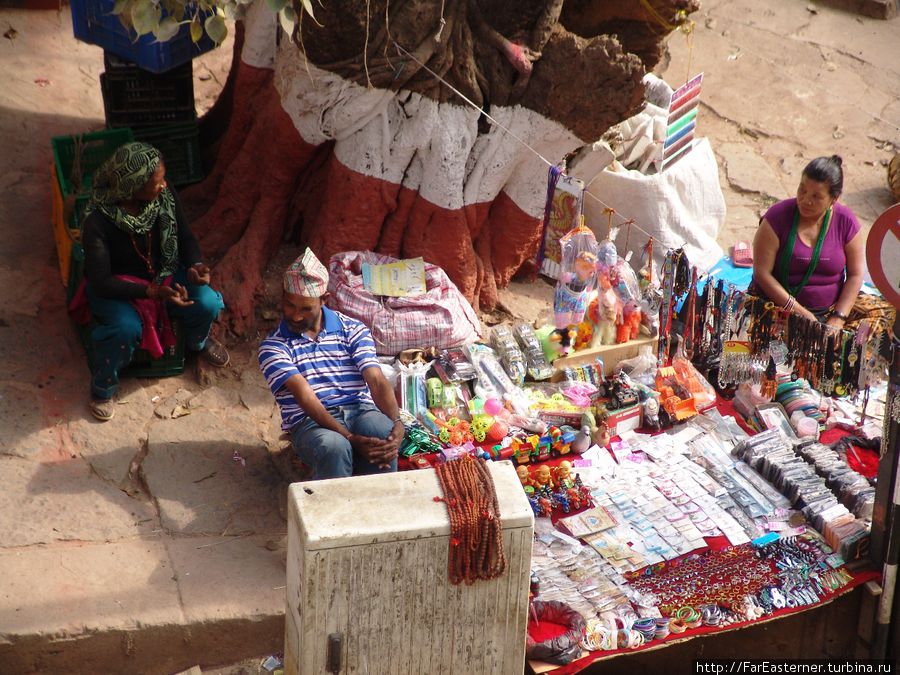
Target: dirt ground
784,81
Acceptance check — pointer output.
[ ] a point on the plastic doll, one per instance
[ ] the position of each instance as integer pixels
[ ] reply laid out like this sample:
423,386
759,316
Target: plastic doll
578,274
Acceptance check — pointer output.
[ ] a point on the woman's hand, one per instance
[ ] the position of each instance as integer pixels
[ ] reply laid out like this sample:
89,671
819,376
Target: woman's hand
176,294
835,322
805,313
198,274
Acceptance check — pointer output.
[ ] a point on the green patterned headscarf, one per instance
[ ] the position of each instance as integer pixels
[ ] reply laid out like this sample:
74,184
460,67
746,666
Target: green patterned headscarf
117,179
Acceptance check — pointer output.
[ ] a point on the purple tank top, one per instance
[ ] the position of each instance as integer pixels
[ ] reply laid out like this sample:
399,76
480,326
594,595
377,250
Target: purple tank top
825,283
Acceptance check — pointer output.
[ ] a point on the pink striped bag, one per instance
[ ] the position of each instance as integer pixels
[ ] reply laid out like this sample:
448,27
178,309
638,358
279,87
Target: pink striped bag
441,318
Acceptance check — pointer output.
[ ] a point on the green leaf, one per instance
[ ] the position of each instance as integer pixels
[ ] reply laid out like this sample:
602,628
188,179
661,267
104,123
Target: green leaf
216,28
196,29
167,29
288,18
277,5
307,7
145,16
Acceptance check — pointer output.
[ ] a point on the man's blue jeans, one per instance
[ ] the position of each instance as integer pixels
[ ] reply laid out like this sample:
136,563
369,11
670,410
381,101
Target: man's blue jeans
329,454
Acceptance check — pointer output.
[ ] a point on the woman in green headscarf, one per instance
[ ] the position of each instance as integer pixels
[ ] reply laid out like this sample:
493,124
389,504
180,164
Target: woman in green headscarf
141,261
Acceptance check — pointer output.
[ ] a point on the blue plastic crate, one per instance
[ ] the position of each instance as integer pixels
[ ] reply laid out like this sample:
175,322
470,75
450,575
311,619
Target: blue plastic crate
94,22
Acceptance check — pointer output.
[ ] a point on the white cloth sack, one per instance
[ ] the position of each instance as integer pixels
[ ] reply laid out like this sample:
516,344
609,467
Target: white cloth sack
682,206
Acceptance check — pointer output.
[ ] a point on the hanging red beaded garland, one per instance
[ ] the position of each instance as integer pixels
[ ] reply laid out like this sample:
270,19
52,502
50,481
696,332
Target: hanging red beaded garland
476,538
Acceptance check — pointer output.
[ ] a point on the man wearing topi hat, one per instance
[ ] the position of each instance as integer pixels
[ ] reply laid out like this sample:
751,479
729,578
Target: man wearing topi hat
321,366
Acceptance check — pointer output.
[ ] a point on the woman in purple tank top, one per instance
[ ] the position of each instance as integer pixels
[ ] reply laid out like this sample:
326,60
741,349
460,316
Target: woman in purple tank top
808,253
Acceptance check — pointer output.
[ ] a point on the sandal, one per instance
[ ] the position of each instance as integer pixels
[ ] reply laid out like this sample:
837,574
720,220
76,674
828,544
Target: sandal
742,254
216,353
103,408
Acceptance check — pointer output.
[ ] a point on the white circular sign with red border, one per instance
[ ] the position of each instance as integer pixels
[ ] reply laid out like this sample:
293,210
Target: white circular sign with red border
883,254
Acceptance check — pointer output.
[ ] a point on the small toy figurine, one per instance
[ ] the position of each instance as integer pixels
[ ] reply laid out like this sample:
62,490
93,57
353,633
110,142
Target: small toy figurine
574,497
561,500
545,502
586,498
524,476
542,477
602,437
651,414
582,441
565,338
564,474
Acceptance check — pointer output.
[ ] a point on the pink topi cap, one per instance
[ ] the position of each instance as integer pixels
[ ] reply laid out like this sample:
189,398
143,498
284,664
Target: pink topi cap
306,276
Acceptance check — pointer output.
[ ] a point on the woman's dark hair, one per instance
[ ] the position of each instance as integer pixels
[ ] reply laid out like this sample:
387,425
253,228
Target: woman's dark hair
827,170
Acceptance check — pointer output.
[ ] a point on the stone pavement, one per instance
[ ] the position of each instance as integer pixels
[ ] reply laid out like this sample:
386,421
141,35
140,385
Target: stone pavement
154,542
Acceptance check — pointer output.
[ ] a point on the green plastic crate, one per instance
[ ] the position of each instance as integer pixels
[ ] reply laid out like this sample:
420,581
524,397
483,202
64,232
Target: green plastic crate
180,147
83,154
142,364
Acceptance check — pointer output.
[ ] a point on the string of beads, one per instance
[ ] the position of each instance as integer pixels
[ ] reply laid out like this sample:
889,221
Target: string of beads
476,537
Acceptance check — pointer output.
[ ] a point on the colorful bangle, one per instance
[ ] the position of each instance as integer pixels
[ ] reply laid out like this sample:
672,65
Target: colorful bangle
840,315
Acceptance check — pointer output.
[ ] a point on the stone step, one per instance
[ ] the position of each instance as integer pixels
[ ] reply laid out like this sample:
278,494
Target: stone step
153,605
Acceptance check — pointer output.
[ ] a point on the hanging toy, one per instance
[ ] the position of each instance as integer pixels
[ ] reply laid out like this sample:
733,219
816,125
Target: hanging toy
578,275
604,312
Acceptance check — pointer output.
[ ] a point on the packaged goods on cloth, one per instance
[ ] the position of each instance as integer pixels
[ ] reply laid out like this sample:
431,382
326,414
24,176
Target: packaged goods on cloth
682,207
441,317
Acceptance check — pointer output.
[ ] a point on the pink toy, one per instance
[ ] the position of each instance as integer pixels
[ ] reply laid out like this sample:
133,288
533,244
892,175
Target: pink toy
493,406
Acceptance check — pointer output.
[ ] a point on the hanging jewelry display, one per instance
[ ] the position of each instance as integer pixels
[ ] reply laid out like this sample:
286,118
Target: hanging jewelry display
735,337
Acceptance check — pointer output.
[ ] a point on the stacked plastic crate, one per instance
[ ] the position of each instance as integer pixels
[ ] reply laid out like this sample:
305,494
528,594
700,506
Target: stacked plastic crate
159,109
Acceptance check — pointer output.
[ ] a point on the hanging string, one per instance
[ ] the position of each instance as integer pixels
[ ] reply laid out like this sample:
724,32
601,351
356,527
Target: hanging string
366,48
608,212
659,18
472,103
687,27
628,223
437,37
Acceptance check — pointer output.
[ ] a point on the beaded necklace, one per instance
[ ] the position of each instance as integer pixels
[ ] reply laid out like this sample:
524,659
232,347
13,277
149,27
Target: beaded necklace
148,258
476,538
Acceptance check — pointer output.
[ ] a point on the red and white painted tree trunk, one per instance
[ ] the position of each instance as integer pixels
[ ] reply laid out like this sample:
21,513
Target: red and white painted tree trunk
405,167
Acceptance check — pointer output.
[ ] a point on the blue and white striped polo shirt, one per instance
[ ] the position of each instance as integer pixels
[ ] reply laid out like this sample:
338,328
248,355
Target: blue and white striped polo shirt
332,364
